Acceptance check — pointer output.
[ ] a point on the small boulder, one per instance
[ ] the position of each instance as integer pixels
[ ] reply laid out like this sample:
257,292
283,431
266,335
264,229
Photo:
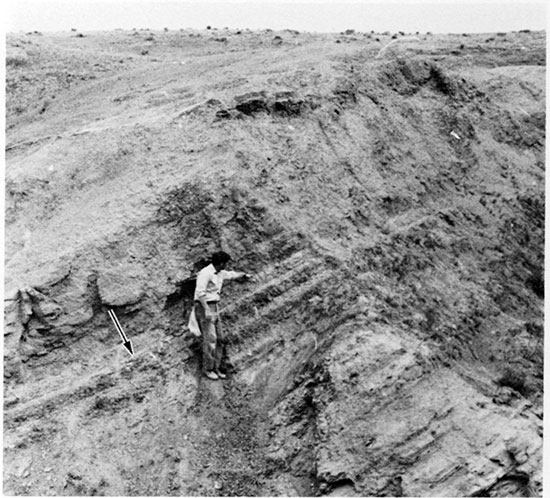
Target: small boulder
120,286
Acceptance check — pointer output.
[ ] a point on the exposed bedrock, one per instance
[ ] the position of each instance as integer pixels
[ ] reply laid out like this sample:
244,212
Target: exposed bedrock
390,206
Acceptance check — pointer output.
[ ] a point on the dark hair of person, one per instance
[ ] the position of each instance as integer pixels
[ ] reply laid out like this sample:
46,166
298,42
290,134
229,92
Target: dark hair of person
220,257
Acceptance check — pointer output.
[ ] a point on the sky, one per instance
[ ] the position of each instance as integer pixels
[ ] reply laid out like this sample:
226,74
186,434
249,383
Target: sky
437,16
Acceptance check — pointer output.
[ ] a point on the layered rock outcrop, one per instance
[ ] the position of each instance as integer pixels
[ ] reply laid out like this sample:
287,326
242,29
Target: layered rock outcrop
390,206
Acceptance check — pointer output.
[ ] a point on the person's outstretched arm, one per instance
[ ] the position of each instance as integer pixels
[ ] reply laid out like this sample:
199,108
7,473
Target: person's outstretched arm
235,275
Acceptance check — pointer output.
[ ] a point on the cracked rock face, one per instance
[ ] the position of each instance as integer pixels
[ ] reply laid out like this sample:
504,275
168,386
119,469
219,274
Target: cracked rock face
390,210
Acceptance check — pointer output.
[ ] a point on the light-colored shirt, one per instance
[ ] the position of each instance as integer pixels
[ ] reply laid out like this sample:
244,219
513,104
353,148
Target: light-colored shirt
209,282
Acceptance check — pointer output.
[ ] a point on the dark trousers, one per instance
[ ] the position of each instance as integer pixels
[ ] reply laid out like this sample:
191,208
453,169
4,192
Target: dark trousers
213,338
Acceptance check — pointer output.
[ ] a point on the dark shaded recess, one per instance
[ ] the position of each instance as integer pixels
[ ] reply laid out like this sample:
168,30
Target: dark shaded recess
534,210
408,77
287,107
515,379
185,289
513,484
441,81
281,104
252,106
536,282
93,293
341,483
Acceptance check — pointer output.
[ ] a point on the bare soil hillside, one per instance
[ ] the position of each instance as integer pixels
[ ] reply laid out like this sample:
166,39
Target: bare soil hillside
386,192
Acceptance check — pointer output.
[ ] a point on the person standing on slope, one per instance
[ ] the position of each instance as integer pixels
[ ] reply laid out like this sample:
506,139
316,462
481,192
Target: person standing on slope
207,295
